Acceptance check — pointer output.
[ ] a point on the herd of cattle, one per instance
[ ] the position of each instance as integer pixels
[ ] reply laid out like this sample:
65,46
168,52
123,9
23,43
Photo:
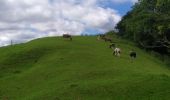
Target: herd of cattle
116,50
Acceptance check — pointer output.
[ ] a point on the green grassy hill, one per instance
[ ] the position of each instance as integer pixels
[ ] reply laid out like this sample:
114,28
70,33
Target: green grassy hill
83,69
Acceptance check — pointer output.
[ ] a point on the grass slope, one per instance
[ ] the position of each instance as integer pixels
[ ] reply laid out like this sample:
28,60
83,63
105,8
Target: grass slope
84,69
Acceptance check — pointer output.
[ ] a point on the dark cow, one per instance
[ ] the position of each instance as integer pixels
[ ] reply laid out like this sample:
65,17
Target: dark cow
67,36
107,39
113,45
100,36
133,54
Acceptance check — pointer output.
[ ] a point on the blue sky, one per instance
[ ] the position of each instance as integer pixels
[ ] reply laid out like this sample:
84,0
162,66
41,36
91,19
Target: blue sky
122,8
24,20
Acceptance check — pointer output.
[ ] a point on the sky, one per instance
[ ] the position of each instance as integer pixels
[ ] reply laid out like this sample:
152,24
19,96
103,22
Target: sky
24,20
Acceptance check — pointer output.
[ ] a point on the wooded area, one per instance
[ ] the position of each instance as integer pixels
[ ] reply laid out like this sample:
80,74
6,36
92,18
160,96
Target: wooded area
148,24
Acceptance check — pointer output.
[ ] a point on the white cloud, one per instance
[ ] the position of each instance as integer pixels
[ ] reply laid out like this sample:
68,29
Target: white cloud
22,20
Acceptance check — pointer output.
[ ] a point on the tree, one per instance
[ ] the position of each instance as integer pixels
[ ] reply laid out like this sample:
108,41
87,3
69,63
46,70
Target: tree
147,23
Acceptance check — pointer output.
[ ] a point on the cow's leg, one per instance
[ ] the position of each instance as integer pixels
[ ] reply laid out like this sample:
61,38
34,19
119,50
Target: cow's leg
118,54
113,53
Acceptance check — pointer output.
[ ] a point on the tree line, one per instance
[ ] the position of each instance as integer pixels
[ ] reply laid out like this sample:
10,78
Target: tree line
148,24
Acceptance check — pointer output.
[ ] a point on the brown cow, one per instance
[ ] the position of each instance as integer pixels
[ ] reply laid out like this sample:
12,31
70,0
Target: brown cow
105,38
67,36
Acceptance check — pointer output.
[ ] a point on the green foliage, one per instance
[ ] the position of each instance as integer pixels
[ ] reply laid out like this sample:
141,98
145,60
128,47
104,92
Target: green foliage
148,22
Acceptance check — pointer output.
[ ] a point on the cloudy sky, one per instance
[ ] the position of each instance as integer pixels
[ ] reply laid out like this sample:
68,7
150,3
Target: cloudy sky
23,20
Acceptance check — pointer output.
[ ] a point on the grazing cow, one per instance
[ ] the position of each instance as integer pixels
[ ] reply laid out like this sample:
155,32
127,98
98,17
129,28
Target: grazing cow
104,37
132,54
107,39
101,36
67,36
98,37
113,45
117,52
